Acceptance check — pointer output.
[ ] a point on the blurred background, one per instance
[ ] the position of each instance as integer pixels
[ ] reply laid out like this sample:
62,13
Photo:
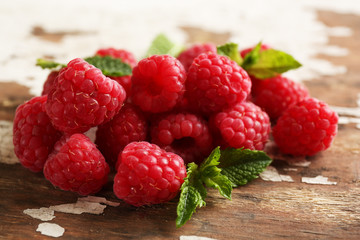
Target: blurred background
63,30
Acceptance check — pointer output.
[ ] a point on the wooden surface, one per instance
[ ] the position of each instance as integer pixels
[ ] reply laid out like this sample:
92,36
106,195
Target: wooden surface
259,210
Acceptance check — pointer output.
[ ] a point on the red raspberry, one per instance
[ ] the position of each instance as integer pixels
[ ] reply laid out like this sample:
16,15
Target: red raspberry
276,94
148,174
187,56
49,82
243,125
76,165
33,134
83,97
306,128
215,82
126,57
184,134
158,83
127,126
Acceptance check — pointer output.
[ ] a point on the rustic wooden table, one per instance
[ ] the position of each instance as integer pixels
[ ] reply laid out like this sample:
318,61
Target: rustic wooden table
259,210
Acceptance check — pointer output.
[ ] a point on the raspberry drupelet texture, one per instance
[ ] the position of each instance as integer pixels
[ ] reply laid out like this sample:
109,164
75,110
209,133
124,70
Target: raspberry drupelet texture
243,125
49,82
184,134
76,165
126,57
306,128
187,56
215,82
276,94
148,174
127,126
33,134
83,97
158,83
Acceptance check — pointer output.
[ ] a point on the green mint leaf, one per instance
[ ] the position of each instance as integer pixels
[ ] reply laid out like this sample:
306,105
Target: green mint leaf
110,66
47,64
221,183
241,166
211,174
252,57
190,199
192,195
270,63
163,45
230,50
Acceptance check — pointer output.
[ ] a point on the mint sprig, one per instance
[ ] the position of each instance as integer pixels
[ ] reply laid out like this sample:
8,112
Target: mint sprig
110,66
230,50
162,45
241,166
222,170
48,64
268,63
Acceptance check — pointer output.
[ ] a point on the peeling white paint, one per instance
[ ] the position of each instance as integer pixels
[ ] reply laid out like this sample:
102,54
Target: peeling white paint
347,111
271,174
245,20
300,163
96,199
44,214
7,154
290,169
50,229
193,237
80,207
317,180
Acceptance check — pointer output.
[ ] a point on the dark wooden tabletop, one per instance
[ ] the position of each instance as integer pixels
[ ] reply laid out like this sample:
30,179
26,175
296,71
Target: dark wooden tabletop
260,210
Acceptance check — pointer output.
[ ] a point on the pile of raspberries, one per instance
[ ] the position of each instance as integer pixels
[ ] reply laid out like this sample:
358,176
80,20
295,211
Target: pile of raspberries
149,125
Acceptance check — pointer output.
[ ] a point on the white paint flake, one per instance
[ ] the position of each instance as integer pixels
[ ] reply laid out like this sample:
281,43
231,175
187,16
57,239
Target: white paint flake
290,169
96,199
300,163
80,207
193,237
50,229
317,180
44,214
7,154
271,174
347,111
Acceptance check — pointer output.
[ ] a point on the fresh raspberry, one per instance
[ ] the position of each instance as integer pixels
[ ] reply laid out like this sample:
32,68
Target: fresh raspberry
127,126
76,165
158,83
187,56
243,125
275,95
49,82
306,128
83,97
148,174
215,82
33,134
184,134
126,57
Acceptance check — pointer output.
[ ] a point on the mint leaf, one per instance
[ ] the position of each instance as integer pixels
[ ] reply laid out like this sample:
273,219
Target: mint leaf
252,57
270,63
230,50
241,166
163,45
211,174
47,64
192,195
110,66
